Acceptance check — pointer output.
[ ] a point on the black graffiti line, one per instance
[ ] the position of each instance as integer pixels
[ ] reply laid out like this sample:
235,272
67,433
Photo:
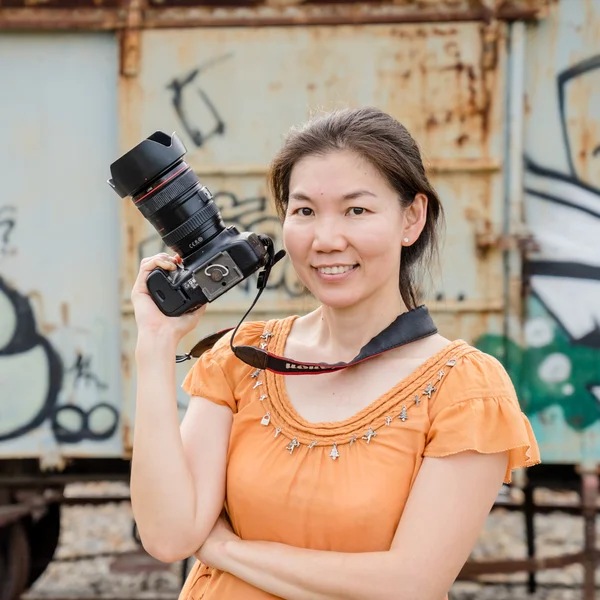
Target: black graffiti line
8,226
72,436
589,64
255,206
570,270
82,371
26,337
177,86
562,202
537,169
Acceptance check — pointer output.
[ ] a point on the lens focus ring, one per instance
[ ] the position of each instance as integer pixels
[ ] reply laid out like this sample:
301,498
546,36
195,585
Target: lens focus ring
202,216
175,189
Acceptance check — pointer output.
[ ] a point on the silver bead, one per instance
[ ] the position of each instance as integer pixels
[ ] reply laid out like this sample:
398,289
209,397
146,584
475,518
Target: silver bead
441,374
258,382
451,362
266,336
263,397
417,399
388,420
255,374
312,444
277,432
266,419
353,440
263,346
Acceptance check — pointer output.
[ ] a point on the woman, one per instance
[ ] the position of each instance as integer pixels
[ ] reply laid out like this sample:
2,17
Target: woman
372,482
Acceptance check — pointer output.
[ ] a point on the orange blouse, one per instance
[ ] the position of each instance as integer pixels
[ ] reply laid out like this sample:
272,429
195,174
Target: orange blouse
343,486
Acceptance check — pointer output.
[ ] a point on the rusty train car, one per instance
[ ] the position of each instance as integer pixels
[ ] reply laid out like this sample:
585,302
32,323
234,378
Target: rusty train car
502,96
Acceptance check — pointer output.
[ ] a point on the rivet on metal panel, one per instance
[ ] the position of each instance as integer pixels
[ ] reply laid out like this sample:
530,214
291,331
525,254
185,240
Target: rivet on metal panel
130,39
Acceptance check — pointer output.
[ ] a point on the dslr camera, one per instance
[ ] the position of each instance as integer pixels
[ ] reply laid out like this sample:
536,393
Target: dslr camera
169,195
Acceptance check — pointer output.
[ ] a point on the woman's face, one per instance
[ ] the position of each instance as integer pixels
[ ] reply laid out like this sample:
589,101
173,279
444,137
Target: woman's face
343,229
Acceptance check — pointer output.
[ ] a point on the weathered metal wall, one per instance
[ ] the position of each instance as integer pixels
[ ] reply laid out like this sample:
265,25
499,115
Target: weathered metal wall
557,364
231,90
232,93
60,382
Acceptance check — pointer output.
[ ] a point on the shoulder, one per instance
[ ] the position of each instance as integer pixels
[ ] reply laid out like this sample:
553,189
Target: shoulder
478,374
471,374
218,372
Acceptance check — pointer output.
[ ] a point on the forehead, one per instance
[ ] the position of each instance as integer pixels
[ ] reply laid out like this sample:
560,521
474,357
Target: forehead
333,171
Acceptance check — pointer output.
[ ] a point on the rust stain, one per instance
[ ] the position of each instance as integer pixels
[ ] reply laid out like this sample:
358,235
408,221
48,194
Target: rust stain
126,433
64,313
113,14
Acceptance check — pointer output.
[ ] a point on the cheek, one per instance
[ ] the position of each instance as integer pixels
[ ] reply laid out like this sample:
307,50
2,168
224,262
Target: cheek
296,240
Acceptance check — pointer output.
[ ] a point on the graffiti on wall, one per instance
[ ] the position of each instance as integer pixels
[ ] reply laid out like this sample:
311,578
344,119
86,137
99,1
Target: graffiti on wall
48,381
45,386
195,110
247,214
560,363
7,226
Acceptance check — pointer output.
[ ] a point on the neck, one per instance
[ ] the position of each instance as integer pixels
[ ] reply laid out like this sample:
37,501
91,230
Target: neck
343,332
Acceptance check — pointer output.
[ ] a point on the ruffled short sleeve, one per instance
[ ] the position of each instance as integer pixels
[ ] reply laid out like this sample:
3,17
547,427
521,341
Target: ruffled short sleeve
477,409
217,374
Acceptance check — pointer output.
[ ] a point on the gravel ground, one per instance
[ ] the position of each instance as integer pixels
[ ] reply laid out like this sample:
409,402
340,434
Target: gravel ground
97,530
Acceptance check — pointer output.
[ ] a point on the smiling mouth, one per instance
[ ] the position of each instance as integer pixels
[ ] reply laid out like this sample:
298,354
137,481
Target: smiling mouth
337,270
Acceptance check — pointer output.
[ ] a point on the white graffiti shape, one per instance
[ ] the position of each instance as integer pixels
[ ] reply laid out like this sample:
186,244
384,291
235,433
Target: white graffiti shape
30,369
564,218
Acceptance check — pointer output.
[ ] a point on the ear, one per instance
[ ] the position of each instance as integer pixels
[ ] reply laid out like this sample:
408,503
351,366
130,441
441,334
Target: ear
415,217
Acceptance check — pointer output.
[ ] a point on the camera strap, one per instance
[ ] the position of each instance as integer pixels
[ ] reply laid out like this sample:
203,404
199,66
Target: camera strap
408,327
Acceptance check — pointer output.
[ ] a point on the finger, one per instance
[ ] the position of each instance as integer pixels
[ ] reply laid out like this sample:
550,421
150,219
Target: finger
163,261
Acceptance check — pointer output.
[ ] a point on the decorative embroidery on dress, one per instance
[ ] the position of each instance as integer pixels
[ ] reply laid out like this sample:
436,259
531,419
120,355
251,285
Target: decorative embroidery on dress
334,454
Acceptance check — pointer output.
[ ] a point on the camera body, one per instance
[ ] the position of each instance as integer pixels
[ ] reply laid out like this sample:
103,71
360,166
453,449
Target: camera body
167,193
208,273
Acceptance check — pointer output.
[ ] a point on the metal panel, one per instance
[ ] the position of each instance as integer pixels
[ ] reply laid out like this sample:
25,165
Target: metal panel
150,14
231,95
59,248
557,367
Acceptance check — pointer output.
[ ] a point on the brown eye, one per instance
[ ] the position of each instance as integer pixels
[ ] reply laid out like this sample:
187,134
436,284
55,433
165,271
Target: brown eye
357,211
305,211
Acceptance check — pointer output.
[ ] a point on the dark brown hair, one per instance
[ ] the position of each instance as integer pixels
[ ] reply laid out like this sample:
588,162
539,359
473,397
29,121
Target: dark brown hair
389,147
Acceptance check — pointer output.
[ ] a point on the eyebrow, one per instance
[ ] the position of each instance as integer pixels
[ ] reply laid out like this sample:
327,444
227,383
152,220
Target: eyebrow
348,196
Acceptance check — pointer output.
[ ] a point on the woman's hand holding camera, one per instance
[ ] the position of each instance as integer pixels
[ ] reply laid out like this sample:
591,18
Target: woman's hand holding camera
151,322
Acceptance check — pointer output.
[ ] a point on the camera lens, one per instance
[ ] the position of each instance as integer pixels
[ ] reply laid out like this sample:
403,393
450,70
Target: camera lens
167,193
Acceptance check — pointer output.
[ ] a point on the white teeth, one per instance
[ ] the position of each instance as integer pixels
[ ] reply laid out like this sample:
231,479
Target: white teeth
335,270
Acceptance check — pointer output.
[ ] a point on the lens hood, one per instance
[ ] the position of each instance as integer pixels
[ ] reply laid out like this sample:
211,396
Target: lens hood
138,167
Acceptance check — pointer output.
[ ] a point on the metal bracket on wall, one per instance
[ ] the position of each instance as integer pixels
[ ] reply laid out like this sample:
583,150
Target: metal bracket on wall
130,37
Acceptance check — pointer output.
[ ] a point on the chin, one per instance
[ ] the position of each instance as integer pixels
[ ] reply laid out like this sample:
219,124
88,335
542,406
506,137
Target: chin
339,300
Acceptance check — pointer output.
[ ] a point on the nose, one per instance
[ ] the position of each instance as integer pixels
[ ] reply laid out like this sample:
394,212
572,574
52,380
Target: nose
328,235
